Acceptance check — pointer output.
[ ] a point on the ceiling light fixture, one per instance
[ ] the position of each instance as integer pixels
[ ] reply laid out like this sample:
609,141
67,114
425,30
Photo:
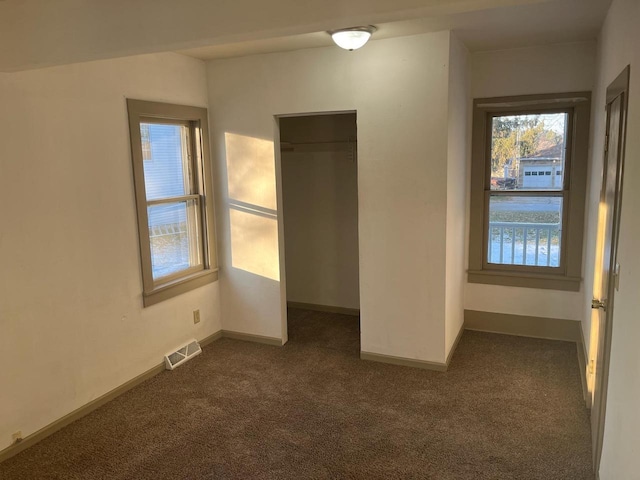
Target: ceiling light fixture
352,38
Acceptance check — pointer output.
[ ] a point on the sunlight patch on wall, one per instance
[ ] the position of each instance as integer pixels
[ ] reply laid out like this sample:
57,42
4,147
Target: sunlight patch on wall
252,205
594,337
251,170
593,352
254,243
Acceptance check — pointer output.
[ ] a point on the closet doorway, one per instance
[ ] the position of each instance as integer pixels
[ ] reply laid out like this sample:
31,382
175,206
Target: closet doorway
319,173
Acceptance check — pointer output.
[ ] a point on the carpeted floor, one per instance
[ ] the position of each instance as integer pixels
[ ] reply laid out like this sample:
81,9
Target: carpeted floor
508,408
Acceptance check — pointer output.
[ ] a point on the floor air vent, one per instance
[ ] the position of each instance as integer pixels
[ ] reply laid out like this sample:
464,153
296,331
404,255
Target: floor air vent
182,354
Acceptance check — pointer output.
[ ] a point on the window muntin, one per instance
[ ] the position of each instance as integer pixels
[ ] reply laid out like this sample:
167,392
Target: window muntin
174,198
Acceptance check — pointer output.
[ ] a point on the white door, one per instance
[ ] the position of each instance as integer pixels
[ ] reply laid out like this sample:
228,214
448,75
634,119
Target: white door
606,257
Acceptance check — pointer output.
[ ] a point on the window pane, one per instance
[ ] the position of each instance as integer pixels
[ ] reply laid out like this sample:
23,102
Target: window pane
528,151
525,230
166,171
174,230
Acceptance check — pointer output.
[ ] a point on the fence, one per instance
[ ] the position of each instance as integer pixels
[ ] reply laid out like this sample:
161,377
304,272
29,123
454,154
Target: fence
536,244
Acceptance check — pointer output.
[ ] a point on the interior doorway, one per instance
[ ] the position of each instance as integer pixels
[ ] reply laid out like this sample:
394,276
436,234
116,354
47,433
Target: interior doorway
319,186
607,268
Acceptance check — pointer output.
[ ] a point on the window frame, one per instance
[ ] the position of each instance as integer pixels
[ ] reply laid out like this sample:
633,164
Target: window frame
568,275
562,193
196,119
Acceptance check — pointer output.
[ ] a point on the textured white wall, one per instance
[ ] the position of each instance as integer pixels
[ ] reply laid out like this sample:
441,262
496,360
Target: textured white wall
320,191
457,188
399,89
567,67
545,69
618,48
72,326
320,207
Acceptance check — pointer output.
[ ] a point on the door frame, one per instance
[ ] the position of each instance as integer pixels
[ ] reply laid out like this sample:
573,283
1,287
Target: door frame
280,209
620,86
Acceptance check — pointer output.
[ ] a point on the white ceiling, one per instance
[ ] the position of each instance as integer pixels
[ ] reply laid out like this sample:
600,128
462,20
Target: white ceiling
514,26
40,33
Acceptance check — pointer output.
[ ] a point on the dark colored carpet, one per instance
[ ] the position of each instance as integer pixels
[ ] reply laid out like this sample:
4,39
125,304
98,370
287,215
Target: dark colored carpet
508,408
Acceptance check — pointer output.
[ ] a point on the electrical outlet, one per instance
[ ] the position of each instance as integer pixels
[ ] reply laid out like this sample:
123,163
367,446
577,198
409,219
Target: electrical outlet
16,437
196,316
592,367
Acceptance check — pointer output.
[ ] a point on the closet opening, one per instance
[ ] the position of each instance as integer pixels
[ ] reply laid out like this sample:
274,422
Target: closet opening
319,186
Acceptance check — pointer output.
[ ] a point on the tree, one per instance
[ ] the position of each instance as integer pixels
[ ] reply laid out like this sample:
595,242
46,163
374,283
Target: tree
515,137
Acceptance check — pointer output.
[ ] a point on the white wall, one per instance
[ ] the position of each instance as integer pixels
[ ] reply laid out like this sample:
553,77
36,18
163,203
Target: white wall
618,48
399,89
320,191
457,188
568,67
72,326
545,69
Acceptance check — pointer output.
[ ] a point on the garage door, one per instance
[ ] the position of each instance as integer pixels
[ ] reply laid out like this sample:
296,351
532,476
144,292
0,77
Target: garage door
537,177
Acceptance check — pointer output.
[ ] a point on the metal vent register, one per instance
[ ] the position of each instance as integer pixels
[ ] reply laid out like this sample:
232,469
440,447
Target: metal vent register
182,354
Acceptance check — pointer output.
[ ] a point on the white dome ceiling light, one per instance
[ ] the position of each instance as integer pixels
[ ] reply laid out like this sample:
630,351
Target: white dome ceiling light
352,38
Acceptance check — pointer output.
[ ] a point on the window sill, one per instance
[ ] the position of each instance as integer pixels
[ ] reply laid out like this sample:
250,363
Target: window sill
180,286
527,280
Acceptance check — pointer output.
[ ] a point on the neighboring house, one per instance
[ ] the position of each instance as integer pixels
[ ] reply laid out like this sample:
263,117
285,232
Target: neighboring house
540,171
